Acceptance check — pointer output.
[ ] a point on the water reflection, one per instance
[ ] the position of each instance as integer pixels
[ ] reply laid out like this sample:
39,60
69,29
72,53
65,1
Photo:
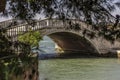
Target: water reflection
78,68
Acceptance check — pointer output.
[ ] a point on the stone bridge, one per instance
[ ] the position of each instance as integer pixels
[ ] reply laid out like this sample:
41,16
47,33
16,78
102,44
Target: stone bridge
69,37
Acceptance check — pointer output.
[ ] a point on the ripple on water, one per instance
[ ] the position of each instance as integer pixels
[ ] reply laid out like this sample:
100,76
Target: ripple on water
80,69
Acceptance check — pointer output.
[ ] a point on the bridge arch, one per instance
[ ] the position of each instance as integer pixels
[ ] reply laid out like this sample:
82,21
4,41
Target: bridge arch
56,27
71,42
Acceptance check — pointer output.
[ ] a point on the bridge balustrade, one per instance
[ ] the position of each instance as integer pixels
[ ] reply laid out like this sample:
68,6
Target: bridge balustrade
4,24
47,24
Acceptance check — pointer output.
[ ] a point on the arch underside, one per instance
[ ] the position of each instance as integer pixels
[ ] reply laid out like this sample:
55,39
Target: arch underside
73,43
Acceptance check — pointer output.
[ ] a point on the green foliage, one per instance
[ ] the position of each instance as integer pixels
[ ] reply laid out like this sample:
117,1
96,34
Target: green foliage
7,63
93,12
5,44
12,62
31,38
90,10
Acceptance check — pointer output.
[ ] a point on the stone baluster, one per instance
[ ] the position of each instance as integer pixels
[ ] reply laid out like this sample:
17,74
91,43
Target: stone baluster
21,29
47,22
16,31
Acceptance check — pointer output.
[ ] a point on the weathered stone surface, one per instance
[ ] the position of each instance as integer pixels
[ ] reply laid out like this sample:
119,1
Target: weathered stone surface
72,43
66,36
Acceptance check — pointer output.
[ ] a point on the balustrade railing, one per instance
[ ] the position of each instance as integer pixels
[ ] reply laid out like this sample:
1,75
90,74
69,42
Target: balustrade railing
47,24
50,26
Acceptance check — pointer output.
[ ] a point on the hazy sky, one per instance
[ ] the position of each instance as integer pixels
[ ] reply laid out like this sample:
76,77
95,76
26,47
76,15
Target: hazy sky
38,16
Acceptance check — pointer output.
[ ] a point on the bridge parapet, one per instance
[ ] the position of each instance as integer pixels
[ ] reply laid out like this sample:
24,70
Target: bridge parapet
5,24
47,23
49,26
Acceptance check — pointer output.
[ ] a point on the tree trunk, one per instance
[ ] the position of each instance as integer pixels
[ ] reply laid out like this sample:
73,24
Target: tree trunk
2,5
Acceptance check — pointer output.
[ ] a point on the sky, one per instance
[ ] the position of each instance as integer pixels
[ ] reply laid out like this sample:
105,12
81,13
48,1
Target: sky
117,11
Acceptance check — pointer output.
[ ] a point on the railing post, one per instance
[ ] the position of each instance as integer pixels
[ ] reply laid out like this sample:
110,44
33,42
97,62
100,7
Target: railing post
47,22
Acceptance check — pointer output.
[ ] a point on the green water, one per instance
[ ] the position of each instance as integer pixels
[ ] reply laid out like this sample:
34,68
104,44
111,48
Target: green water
80,69
76,69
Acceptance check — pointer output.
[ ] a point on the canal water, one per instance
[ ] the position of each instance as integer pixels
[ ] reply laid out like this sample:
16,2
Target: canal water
76,68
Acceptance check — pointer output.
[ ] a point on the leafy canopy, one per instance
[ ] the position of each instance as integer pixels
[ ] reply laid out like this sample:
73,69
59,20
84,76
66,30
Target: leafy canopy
31,38
88,9
93,12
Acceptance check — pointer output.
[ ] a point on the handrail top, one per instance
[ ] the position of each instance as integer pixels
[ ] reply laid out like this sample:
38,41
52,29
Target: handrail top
41,19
